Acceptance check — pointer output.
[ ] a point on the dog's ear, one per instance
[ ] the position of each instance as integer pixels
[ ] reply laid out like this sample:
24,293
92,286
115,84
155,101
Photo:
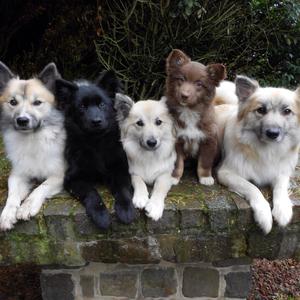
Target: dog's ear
48,76
216,73
5,75
123,105
64,92
109,81
176,59
245,87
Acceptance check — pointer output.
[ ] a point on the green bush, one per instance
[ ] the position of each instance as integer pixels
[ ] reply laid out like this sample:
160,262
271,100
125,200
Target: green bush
258,38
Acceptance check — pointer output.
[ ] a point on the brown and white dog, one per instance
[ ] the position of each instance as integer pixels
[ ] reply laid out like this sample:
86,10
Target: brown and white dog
261,143
190,90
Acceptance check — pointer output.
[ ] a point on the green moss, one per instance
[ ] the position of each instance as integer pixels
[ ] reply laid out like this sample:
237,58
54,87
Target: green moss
239,246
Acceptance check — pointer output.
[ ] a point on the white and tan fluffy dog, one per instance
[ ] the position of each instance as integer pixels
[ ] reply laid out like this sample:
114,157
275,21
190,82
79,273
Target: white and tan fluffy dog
34,138
148,139
261,144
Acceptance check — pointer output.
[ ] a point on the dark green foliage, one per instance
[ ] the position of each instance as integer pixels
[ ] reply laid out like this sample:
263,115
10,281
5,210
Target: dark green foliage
257,38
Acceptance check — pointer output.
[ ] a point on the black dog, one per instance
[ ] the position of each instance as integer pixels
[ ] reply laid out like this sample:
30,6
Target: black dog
94,152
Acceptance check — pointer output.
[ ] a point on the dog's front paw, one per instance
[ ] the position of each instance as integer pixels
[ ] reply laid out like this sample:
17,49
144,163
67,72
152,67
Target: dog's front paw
140,200
8,218
125,212
154,209
29,208
263,215
175,180
207,180
100,217
283,213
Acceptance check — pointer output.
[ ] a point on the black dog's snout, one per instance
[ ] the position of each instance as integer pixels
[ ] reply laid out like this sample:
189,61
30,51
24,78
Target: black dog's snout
152,142
273,133
22,121
97,122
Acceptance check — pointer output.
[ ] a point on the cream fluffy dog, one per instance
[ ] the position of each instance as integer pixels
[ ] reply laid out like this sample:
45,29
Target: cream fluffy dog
148,139
261,144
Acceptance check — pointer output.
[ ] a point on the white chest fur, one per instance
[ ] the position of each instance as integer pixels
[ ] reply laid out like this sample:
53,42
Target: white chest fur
191,133
36,155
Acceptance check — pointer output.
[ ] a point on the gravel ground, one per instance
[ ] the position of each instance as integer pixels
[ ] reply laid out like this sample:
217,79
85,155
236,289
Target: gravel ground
278,280
272,280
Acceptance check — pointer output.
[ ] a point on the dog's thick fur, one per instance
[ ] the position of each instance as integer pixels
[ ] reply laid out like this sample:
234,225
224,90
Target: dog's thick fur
148,138
34,139
94,151
190,90
261,144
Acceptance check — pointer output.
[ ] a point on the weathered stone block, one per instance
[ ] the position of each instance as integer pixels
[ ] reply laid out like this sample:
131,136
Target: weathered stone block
238,284
200,282
158,282
222,213
296,211
57,286
87,283
168,222
265,246
27,227
193,218
121,283
130,250
85,227
232,262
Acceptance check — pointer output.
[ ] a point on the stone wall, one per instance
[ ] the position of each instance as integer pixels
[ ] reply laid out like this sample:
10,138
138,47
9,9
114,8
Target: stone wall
152,281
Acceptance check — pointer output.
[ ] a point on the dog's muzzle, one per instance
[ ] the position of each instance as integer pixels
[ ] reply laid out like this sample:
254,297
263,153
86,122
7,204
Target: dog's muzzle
151,144
274,133
24,123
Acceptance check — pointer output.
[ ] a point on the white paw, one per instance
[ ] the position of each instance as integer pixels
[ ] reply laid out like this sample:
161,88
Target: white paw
283,213
8,218
175,180
263,215
154,209
207,180
140,200
29,208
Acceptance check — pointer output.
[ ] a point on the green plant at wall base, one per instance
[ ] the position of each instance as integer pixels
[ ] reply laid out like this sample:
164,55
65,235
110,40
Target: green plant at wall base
257,38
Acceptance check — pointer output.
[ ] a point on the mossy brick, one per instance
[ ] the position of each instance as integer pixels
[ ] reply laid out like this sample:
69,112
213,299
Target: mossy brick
167,244
222,213
60,227
238,284
158,282
130,250
296,211
168,222
87,283
57,286
137,227
194,217
84,227
208,248
200,282
233,262
244,214
5,252
265,246
30,227
121,283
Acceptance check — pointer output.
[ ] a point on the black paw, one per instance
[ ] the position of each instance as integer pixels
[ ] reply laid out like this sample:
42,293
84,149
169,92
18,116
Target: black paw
125,212
100,217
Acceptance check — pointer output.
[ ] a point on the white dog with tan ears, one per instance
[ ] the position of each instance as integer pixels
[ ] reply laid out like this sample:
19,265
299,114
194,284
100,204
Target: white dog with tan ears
148,138
261,143
34,138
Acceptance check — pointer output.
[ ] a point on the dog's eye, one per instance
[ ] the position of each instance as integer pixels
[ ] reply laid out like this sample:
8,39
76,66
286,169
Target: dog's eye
198,83
101,105
287,111
140,123
262,110
158,122
37,102
13,102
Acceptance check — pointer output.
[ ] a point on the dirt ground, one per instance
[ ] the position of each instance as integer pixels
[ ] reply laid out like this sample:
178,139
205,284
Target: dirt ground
272,280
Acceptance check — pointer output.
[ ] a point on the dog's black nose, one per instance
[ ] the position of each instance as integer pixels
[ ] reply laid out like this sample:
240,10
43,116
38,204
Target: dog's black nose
22,121
273,133
152,142
96,122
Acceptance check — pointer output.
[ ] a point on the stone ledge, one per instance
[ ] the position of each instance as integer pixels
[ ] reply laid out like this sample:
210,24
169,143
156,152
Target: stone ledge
200,223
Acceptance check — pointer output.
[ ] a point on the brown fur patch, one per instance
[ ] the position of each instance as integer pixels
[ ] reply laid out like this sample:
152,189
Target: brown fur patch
251,105
202,82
